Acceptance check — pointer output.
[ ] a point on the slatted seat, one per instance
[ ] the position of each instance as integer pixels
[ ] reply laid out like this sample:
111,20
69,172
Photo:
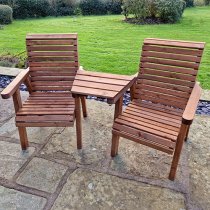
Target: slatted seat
165,98
151,124
47,109
53,64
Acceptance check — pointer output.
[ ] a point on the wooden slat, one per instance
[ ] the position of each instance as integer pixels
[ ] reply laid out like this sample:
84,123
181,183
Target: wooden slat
105,75
54,83
97,86
93,91
168,80
161,101
156,116
163,85
54,58
50,73
52,94
53,69
45,124
168,74
132,115
54,64
170,62
51,36
49,113
159,112
158,119
159,107
193,52
155,128
169,68
160,95
46,118
143,128
52,78
52,48
61,53
162,90
144,141
100,80
52,88
51,42
175,43
171,56
144,135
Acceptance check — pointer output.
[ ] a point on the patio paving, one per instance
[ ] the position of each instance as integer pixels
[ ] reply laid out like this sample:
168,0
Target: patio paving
53,174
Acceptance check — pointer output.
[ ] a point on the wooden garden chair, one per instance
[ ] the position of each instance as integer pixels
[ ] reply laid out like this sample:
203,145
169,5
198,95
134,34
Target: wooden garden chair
165,98
53,64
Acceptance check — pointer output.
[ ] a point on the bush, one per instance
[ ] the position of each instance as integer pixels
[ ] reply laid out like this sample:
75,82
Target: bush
199,3
136,7
207,2
170,11
92,7
5,14
189,3
62,7
31,8
113,6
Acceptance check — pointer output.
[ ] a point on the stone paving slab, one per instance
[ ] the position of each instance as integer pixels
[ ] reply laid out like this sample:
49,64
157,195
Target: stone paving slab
14,200
37,135
91,190
139,160
9,71
42,174
205,95
12,159
96,131
7,107
199,161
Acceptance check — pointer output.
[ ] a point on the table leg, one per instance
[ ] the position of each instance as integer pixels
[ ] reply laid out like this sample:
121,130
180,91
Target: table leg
78,122
84,107
115,138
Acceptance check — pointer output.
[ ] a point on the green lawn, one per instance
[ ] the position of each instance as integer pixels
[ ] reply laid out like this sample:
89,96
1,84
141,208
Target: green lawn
107,44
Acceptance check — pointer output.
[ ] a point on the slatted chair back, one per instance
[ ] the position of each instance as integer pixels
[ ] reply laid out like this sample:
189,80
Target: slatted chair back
53,61
168,71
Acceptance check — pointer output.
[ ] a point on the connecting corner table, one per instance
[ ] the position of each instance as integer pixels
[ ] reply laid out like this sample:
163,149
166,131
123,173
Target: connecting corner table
109,86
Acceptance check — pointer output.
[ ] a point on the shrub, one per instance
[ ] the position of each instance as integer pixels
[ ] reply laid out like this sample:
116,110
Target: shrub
31,8
136,7
113,6
207,2
170,11
5,14
189,3
62,7
199,2
92,7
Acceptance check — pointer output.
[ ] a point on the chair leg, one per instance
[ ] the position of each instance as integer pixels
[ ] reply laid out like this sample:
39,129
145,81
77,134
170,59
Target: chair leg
177,152
187,132
84,107
115,145
78,122
23,138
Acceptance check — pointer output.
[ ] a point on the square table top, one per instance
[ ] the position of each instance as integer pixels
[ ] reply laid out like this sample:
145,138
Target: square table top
110,86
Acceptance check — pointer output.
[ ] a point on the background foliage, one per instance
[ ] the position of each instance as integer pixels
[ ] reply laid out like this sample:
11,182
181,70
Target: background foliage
5,14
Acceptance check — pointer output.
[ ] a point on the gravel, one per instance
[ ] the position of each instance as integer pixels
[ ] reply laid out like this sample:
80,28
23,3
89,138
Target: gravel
202,109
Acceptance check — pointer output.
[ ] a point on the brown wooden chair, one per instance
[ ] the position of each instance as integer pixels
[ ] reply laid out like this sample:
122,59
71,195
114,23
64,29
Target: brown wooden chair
53,63
165,98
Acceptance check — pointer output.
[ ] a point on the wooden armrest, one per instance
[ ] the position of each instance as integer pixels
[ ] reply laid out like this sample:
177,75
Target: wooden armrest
192,103
14,85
